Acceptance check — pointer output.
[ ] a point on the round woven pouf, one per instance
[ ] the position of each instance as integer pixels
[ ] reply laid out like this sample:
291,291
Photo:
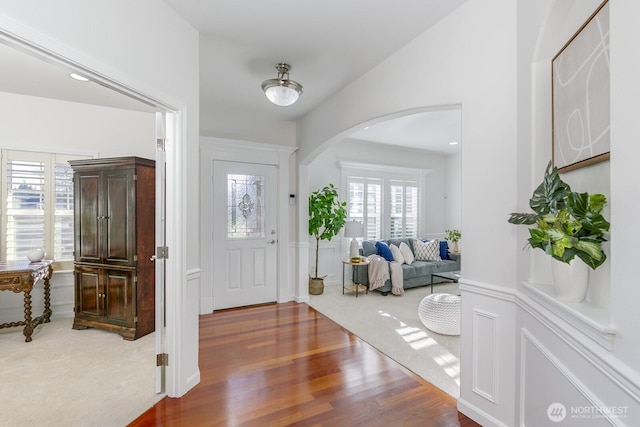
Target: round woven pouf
441,313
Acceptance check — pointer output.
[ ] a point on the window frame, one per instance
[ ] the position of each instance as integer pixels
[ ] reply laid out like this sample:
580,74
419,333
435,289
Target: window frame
388,174
50,160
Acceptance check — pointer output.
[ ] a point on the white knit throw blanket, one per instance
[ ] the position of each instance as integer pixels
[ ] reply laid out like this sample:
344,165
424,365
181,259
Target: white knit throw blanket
378,271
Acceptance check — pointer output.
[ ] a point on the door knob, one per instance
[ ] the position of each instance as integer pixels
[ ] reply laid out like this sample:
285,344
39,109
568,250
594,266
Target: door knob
272,242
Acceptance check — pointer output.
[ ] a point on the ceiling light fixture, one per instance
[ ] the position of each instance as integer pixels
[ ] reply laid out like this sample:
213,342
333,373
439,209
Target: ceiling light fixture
282,91
78,77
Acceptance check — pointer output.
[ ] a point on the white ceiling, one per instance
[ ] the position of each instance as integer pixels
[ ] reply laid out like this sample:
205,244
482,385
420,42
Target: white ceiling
328,43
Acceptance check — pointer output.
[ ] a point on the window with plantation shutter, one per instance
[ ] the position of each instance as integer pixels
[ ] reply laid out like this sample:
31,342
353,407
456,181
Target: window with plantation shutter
387,207
37,205
365,203
403,209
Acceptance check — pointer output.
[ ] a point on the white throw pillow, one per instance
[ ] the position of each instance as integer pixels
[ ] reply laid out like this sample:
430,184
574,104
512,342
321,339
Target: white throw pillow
397,255
429,251
405,250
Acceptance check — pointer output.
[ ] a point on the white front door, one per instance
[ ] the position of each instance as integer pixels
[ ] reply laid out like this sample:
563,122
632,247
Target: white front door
245,238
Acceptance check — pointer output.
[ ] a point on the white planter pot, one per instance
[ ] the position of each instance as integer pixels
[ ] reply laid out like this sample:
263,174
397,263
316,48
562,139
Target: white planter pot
570,281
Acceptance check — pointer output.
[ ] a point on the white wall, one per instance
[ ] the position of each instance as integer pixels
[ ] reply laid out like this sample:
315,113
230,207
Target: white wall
145,46
49,125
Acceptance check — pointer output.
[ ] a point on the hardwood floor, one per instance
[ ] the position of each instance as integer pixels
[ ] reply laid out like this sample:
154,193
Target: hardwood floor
287,364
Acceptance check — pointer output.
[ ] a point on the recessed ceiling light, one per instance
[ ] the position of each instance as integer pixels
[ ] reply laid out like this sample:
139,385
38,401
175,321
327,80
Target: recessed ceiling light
78,77
453,143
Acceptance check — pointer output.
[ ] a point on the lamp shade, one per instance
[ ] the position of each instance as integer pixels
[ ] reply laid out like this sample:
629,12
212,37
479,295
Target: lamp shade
353,229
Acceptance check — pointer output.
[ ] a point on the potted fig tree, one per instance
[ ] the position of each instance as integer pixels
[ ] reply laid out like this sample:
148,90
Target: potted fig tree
569,227
327,216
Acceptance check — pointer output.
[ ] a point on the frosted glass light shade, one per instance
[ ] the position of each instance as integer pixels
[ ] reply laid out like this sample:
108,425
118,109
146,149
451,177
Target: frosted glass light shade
282,95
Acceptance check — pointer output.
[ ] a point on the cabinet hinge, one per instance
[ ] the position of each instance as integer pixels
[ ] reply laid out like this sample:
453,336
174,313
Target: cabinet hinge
162,252
135,319
161,144
135,258
135,279
135,177
162,359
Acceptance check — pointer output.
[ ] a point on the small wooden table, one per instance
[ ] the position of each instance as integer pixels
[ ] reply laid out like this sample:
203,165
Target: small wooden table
22,276
353,265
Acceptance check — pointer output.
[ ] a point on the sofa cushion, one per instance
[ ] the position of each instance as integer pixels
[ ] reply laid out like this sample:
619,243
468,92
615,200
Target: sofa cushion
384,251
397,255
368,248
406,252
417,269
429,251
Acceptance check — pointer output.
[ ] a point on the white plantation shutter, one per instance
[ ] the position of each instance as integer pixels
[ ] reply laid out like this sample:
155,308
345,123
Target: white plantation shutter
37,204
25,199
365,201
411,209
403,209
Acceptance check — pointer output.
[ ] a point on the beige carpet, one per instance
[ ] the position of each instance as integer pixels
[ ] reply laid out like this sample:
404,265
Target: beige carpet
391,324
74,378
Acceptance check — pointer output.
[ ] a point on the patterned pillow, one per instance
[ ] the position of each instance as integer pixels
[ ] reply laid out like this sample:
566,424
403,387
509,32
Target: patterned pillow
427,251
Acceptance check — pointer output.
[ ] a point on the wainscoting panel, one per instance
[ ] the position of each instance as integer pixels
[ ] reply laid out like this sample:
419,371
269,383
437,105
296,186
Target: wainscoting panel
329,262
550,393
485,357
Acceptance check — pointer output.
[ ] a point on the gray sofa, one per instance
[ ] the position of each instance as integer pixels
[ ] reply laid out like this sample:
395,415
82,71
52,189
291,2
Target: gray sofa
415,274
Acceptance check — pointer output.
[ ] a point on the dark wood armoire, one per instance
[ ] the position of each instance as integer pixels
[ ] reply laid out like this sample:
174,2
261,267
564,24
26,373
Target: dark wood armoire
114,228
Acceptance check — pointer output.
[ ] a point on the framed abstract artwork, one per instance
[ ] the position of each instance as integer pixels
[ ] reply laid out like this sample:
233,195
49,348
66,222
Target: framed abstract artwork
580,96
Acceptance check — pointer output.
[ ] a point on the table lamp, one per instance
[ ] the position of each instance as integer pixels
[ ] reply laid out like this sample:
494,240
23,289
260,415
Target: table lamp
353,229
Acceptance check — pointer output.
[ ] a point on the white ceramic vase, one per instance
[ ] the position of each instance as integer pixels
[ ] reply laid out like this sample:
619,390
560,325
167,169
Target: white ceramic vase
36,255
570,281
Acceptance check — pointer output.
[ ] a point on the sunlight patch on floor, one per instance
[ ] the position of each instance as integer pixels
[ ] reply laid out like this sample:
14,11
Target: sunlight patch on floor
418,339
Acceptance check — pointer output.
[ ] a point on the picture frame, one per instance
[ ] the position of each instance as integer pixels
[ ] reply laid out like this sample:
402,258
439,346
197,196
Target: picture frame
580,95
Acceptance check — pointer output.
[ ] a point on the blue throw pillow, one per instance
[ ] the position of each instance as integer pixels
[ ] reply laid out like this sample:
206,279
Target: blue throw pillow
384,251
444,249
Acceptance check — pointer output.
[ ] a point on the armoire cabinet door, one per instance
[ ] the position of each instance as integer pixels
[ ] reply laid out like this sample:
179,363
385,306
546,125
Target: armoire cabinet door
88,292
119,303
87,217
119,210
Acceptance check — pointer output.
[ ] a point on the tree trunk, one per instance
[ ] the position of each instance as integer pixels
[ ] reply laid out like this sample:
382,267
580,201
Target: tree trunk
315,276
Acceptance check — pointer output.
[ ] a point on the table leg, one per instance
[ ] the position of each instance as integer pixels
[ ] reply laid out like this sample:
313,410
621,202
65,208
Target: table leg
28,323
47,297
342,279
353,278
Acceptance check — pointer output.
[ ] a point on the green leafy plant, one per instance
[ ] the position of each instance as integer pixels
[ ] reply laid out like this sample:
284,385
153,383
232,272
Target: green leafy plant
453,235
327,216
568,224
